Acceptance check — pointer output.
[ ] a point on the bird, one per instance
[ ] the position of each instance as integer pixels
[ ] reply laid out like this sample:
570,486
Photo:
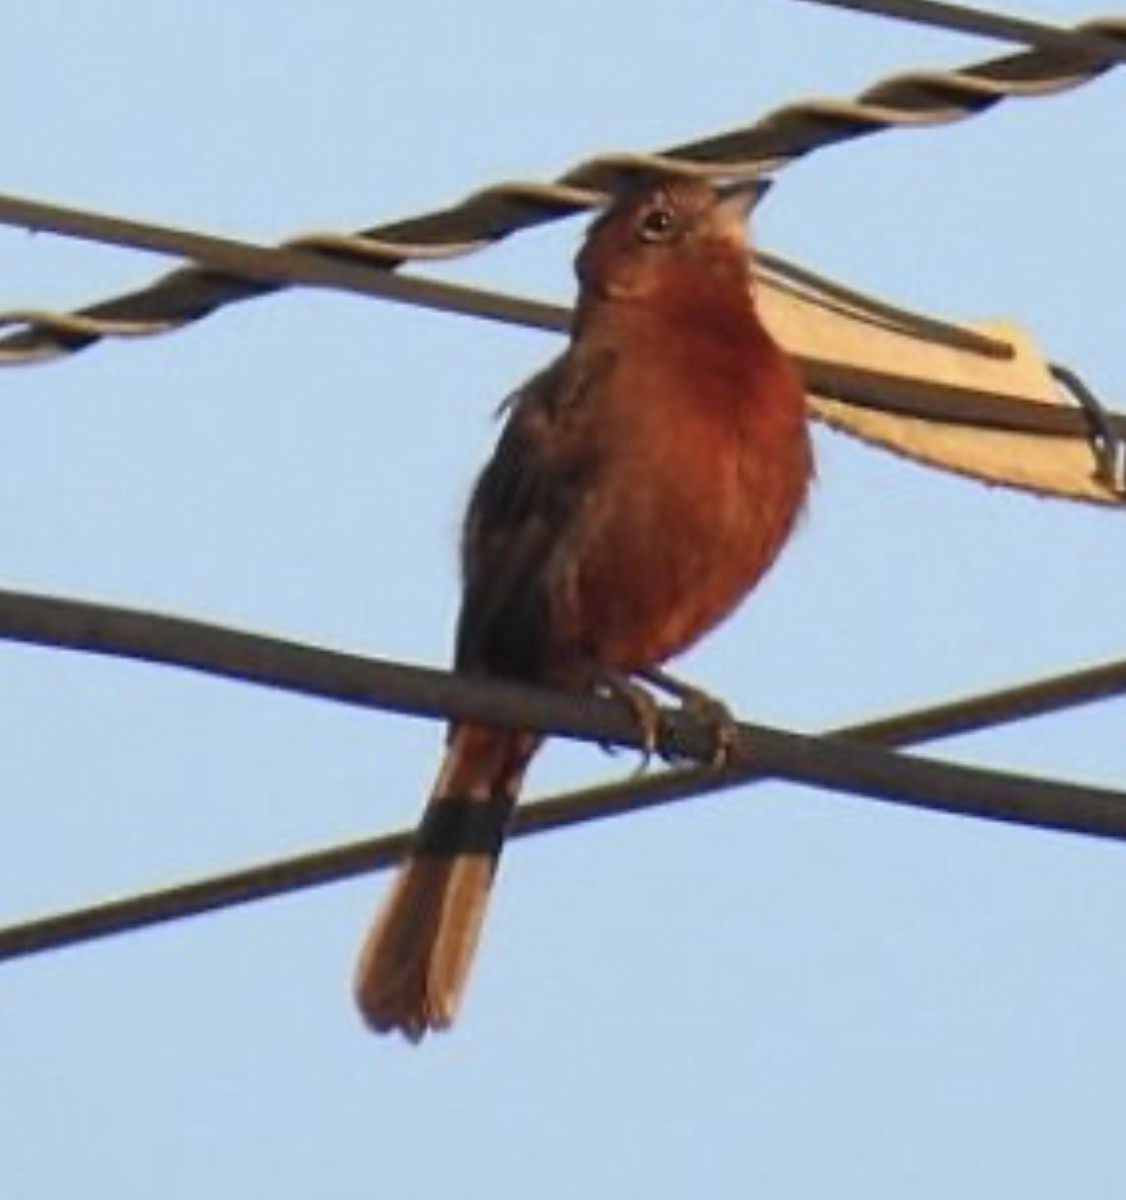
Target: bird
642,485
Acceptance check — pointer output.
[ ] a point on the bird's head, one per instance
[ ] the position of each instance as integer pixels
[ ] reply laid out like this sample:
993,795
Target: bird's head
679,233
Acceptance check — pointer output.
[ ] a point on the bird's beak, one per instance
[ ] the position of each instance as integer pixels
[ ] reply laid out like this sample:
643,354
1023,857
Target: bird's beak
737,200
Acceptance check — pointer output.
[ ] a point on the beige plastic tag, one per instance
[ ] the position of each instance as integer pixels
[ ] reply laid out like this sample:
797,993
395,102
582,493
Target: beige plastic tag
1047,464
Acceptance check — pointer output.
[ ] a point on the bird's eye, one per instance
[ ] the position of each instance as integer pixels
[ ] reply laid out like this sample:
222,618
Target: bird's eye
657,225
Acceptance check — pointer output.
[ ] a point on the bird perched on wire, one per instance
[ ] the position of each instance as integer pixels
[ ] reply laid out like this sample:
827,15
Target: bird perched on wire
643,484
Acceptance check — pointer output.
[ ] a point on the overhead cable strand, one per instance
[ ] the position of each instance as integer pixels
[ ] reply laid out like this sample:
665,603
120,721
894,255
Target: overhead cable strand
222,261
338,863
293,265
958,18
830,763
932,400
909,100
817,286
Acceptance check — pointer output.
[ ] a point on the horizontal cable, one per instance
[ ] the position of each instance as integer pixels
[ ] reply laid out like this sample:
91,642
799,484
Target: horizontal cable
909,100
299,263
256,268
425,692
924,399
338,863
957,18
932,400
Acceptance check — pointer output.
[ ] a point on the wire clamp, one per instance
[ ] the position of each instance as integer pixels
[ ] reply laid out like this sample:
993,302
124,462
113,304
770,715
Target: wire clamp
1107,441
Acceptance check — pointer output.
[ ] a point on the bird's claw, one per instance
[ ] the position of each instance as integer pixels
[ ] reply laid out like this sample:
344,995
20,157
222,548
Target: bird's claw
707,711
644,710
717,717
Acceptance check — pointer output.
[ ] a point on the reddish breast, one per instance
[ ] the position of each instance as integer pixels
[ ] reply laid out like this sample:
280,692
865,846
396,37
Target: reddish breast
708,465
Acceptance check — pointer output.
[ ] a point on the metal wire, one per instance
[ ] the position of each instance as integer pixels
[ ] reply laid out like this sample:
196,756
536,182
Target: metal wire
911,100
960,19
226,263
364,273
285,876
930,400
830,293
1106,431
226,260
394,687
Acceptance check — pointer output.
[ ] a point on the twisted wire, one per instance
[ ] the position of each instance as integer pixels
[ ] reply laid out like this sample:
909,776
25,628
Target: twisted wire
269,268
292,264
910,100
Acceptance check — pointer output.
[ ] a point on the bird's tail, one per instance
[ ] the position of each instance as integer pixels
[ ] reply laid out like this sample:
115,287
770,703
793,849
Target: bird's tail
416,958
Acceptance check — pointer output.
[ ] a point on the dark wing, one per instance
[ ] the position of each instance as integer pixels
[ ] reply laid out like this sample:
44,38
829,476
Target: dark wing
526,501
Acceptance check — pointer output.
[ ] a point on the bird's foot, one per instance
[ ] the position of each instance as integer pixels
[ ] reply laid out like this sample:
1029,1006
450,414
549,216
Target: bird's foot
704,708
644,710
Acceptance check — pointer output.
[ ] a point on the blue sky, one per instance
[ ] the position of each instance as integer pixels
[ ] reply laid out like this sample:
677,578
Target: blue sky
775,992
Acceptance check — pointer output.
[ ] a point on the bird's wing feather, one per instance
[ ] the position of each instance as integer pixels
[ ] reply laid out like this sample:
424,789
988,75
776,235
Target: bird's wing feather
525,502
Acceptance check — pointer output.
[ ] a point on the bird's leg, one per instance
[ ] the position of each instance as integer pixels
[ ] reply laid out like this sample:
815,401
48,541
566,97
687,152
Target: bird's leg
702,707
644,710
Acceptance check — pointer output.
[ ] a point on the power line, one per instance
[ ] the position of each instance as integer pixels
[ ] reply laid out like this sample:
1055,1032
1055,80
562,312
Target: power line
271,267
424,692
307,262
285,876
909,100
960,19
257,269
